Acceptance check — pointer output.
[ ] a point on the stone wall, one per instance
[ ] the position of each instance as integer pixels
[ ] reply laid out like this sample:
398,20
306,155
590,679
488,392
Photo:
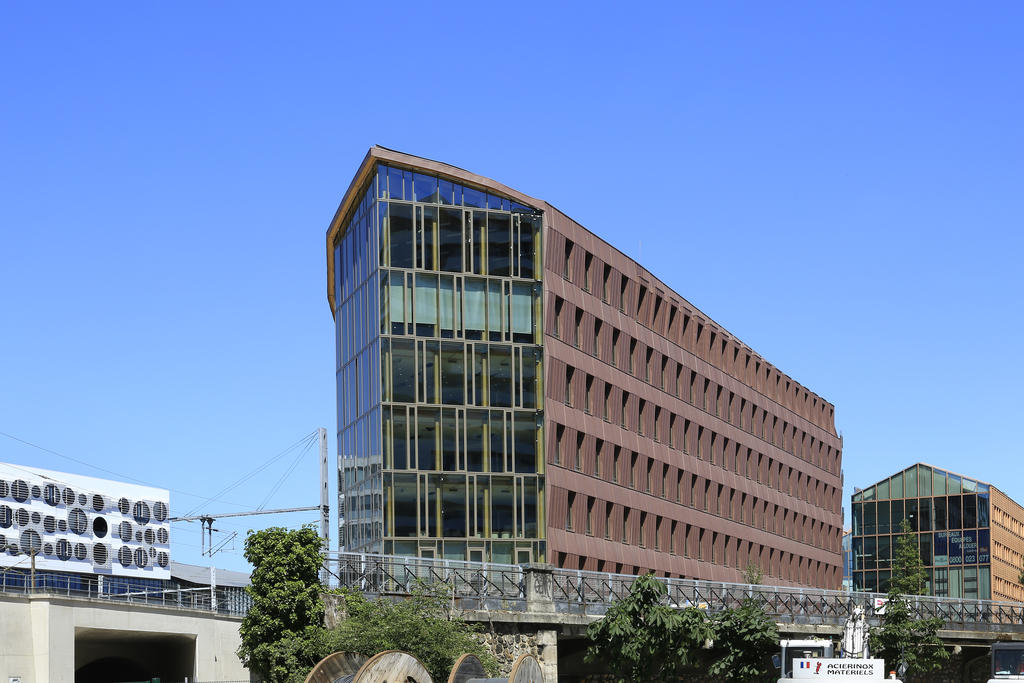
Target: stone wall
507,642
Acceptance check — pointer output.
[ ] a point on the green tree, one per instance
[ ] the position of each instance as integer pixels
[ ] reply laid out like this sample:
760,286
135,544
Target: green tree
282,632
902,639
420,625
641,638
745,640
753,574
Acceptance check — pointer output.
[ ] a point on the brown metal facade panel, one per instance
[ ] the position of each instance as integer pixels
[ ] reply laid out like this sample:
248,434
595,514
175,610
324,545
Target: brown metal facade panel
1007,520
675,448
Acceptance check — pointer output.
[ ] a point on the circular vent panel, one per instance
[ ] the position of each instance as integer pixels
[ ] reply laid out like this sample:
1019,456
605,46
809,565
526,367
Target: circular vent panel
150,536
141,512
69,496
162,560
81,552
162,535
99,553
140,557
49,524
124,506
4,488
124,556
21,516
98,503
51,494
159,511
19,491
6,518
30,541
37,492
63,550
124,530
77,521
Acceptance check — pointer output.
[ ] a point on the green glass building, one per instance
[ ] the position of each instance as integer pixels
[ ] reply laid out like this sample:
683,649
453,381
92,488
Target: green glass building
952,515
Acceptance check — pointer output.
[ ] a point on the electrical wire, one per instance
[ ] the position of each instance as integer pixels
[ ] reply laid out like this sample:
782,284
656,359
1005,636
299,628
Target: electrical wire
308,439
287,473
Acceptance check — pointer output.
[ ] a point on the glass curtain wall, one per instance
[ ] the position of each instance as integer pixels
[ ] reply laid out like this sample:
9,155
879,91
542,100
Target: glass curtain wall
950,516
357,342
456,323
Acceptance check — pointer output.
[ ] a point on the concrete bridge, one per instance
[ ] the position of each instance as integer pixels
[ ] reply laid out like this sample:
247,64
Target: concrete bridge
64,636
54,637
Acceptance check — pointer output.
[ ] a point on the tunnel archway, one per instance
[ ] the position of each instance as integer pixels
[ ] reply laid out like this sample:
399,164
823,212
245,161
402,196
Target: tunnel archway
115,656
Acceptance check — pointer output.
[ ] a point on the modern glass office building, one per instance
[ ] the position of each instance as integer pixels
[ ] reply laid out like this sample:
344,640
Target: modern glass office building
512,388
968,531
439,370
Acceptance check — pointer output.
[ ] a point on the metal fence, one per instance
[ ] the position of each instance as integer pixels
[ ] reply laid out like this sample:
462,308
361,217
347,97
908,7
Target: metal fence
501,586
231,601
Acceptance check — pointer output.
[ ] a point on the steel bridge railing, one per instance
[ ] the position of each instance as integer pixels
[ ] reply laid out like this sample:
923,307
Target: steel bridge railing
476,585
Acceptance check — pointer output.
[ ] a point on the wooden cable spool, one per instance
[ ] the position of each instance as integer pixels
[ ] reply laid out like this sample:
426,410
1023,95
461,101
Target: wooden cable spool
468,669
390,666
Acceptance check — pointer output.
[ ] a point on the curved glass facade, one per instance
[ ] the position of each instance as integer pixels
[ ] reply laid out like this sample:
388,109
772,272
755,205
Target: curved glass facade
951,516
439,332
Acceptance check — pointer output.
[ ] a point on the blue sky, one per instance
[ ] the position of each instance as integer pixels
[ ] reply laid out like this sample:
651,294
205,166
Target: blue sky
838,185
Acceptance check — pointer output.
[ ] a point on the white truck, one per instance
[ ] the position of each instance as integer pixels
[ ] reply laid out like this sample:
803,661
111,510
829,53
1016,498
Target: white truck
1007,662
814,660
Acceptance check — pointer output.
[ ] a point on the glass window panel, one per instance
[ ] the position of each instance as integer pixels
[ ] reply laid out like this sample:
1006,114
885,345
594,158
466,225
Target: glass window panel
499,244
883,490
970,511
428,435
898,515
954,485
857,552
430,372
969,485
497,441
479,244
868,493
450,238
475,309
481,375
494,304
502,506
399,315
382,181
910,482
858,519
428,237
954,512
531,372
425,188
446,313
453,373
984,549
476,426
525,443
870,518
924,514
531,504
924,481
447,195
400,234
910,513
939,513
449,441
395,184
884,551
984,583
870,552
955,547
403,370
956,583
926,549
884,520
522,313
896,486
940,585
453,506
970,546
501,376
983,520
938,483
399,438
528,241
472,197
404,491
426,305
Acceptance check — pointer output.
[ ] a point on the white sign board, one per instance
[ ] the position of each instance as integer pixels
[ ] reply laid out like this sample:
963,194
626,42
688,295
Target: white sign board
839,669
